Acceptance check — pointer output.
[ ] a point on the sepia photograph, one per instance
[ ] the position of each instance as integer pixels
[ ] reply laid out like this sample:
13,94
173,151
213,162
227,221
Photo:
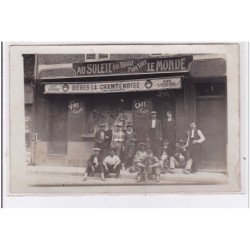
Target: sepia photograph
144,119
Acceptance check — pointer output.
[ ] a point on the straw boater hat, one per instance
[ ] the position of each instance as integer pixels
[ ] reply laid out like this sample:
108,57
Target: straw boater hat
96,149
102,125
143,144
153,113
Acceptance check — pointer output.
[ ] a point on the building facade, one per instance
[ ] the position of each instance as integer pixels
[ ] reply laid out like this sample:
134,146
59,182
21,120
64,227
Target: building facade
68,96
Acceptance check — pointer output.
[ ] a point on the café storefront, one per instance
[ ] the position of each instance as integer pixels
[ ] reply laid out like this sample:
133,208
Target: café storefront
70,103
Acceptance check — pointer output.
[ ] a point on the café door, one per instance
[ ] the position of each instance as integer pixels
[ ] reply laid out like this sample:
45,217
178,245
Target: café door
211,119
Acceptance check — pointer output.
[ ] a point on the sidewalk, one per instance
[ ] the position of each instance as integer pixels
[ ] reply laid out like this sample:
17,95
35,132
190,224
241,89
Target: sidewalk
72,176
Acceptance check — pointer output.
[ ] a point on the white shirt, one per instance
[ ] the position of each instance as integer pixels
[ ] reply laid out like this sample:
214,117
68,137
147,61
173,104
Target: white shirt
109,160
102,135
153,123
118,136
192,133
95,160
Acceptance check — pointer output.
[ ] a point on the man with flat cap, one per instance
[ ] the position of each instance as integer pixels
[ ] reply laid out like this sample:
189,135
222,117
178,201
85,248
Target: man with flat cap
102,140
154,133
94,164
130,140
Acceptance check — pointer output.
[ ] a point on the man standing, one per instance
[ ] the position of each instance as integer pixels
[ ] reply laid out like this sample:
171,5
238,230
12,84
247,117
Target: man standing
130,140
169,130
112,164
102,140
154,133
117,139
193,145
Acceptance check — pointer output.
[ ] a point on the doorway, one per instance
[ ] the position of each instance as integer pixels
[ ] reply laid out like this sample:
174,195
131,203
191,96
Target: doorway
211,120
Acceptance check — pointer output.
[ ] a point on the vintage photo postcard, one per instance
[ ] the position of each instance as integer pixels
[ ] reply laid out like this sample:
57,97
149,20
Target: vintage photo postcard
123,119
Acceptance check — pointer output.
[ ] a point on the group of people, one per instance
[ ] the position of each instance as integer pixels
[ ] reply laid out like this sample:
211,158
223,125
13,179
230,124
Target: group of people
158,153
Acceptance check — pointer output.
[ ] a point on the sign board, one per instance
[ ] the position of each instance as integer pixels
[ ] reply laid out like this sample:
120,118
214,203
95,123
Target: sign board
133,66
113,86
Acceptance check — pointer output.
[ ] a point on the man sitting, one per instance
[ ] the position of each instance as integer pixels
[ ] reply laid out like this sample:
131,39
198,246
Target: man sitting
94,165
148,166
181,158
112,164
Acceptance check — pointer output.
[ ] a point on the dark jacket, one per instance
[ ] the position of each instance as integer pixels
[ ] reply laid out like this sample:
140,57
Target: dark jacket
102,143
158,129
169,130
91,160
130,139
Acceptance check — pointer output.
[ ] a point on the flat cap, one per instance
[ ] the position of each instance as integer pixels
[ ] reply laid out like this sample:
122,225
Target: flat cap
96,149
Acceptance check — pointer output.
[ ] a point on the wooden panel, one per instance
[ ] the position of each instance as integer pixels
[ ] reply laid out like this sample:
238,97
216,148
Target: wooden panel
212,122
58,119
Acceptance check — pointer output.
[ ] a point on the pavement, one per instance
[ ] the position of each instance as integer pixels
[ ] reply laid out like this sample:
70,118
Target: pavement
55,176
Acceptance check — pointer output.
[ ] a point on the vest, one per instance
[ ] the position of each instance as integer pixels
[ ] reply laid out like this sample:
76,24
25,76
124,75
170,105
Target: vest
196,136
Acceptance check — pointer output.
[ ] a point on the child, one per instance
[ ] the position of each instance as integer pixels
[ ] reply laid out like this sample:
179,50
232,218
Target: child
94,165
140,154
165,155
149,166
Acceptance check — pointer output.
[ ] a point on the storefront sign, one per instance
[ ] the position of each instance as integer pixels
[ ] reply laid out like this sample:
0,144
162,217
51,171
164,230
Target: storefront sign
113,87
133,66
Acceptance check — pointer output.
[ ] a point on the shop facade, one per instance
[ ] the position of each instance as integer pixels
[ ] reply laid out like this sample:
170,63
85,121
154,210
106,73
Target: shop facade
71,100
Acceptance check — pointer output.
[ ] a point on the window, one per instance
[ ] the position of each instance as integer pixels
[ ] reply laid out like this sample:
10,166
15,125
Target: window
106,109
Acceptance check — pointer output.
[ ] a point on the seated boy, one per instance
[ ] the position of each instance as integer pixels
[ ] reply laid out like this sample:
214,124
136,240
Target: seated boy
165,155
94,165
148,166
140,154
181,158
112,164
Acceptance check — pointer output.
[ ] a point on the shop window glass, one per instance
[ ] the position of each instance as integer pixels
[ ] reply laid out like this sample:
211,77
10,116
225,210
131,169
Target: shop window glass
107,109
